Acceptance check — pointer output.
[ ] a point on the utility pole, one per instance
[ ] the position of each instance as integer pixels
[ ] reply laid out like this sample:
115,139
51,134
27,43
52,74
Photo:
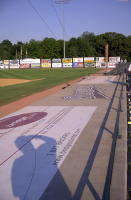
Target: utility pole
63,2
21,52
16,55
26,52
106,54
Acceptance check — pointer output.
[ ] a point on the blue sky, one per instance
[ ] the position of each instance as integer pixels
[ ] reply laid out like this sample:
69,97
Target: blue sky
20,22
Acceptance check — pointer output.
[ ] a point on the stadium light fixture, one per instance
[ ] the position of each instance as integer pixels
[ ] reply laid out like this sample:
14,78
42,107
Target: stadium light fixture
63,2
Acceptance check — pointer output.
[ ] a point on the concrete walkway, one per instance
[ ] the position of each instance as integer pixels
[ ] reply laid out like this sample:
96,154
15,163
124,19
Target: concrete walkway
59,147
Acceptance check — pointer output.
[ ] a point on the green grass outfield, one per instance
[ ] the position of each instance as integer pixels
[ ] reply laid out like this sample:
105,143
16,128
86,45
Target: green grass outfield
51,77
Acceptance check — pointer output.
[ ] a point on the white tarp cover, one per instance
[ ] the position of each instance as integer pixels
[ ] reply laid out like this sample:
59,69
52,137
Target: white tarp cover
34,143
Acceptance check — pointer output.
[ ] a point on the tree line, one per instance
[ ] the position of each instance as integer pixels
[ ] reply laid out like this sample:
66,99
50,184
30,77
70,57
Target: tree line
87,45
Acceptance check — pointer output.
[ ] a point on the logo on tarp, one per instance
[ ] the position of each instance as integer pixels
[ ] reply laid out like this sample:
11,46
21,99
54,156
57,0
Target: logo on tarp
21,120
84,92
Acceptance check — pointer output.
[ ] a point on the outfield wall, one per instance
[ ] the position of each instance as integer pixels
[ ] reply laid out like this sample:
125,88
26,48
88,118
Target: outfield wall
82,62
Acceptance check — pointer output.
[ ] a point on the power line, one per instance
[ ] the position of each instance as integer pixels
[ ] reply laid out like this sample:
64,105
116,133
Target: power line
42,19
59,20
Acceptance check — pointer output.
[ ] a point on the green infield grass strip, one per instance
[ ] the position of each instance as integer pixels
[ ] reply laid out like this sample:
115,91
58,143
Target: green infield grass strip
50,78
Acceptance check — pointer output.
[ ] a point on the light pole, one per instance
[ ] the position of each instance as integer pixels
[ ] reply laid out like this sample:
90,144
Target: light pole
63,26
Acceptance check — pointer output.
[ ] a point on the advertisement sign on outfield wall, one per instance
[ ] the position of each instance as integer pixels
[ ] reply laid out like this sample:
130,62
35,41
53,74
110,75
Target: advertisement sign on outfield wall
6,62
58,60
46,63
103,64
35,65
14,64
56,65
67,65
25,66
111,65
98,64
78,64
67,60
100,59
114,59
29,61
1,64
89,60
79,60
89,64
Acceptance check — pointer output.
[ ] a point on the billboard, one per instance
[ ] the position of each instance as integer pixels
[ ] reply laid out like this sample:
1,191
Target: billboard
103,64
29,61
35,65
25,66
67,60
58,60
67,65
111,65
79,60
6,62
100,59
78,64
46,63
56,65
98,64
14,64
89,64
89,60
1,64
114,59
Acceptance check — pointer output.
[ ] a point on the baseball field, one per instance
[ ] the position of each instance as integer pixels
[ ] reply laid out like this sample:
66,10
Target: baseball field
16,84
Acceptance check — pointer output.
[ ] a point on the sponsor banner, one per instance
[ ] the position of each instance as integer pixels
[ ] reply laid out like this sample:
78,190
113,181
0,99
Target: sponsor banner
56,60
45,60
24,66
14,62
79,60
114,59
15,66
77,64
89,60
35,65
1,66
100,59
6,62
98,64
39,139
89,64
67,64
103,64
57,65
46,63
6,66
67,60
111,65
29,61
